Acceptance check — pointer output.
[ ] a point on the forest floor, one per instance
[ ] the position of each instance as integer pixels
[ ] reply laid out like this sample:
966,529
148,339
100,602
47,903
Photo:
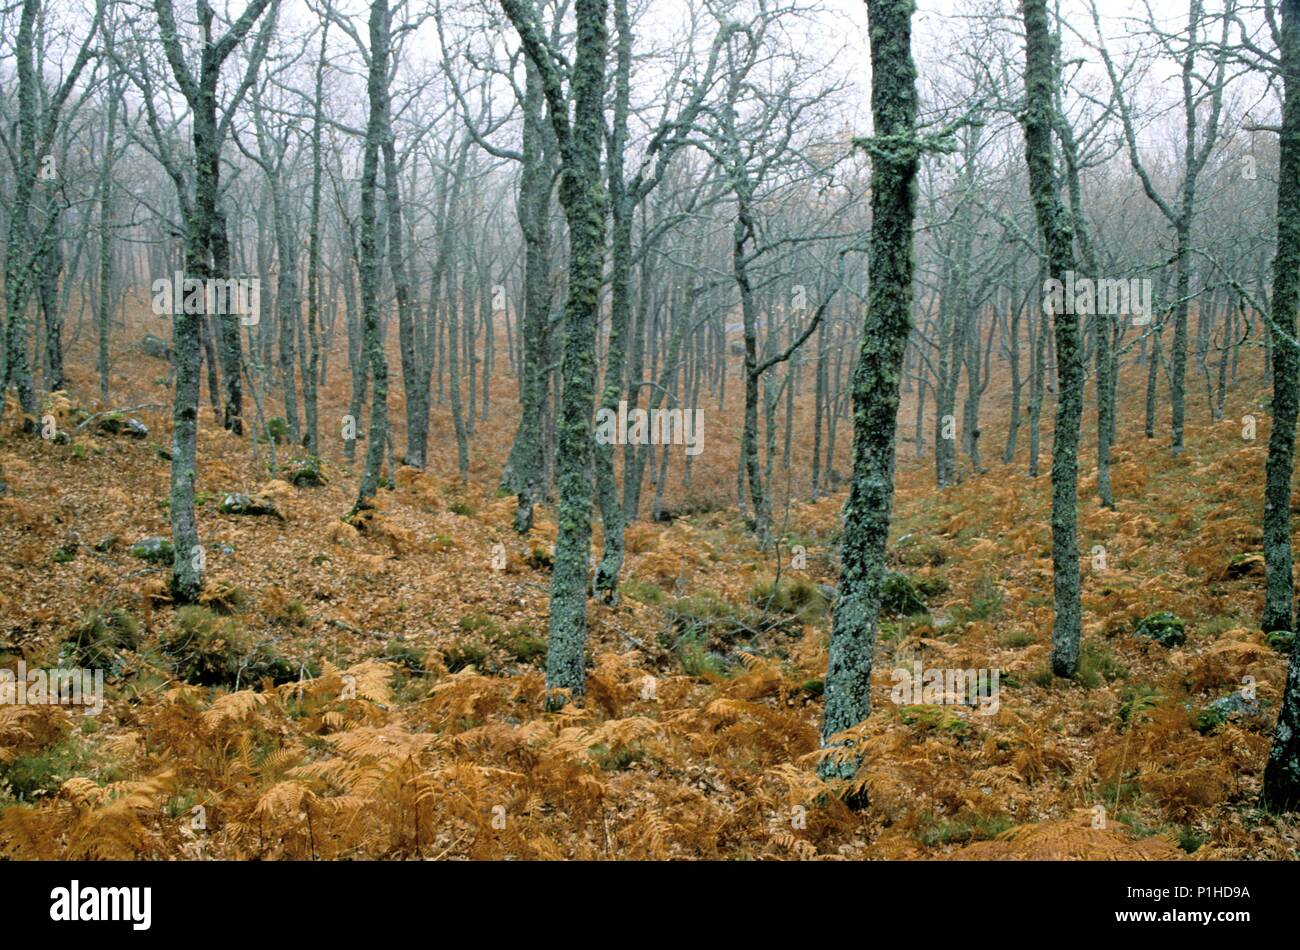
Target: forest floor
407,721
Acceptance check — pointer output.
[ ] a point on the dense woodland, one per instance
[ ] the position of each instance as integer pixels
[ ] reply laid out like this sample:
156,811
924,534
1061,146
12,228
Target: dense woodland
613,429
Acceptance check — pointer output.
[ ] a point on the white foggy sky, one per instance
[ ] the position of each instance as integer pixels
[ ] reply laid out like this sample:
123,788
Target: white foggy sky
835,32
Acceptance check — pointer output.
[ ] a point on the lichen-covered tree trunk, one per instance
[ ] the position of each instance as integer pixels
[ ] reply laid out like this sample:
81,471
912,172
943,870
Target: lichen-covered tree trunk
104,199
1105,410
49,265
1013,357
951,320
976,383
372,344
453,382
1282,774
207,255
632,472
526,468
186,347
416,393
1039,119
582,196
1178,350
186,350
749,466
287,304
1279,604
187,332
311,380
1037,385
611,504
819,407
876,378
231,351
18,254
357,363
1153,380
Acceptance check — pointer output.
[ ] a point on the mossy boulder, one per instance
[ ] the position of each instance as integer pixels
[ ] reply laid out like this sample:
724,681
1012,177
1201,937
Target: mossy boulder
1164,627
155,550
305,472
117,424
156,347
237,503
1232,706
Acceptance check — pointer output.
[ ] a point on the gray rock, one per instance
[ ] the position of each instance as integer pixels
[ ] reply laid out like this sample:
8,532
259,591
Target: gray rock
156,550
116,424
1224,708
305,473
156,347
237,503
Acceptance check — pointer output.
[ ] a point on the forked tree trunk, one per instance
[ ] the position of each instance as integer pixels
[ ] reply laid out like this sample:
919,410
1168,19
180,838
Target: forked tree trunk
582,195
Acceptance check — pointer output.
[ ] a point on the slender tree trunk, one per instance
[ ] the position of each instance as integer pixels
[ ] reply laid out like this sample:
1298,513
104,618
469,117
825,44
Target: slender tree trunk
526,468
372,344
104,299
311,380
582,195
1013,357
611,505
1282,774
1105,409
1279,604
453,382
876,379
1039,119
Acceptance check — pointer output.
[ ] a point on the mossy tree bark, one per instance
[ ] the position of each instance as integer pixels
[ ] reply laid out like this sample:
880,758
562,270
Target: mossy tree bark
414,387
621,207
26,252
1282,774
207,256
876,381
372,343
1279,604
583,198
311,378
525,473
1040,119
104,201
